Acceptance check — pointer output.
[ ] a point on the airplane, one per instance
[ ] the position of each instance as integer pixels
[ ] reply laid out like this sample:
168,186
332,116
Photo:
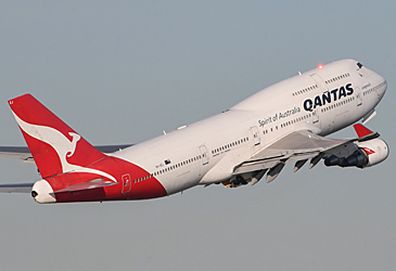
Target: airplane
285,122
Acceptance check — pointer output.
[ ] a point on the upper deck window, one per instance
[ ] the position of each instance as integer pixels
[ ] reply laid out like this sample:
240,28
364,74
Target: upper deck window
360,65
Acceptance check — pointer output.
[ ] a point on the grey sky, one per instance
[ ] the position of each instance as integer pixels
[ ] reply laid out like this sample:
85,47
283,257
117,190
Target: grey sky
123,71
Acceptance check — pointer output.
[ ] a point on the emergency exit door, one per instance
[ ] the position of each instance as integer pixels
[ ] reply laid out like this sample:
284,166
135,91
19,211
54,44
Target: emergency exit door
254,131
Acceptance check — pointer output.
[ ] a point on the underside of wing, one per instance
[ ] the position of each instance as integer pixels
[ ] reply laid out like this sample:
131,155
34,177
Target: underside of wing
298,146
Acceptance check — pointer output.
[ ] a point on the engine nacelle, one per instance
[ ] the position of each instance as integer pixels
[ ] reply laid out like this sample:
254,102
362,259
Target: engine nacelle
369,153
376,150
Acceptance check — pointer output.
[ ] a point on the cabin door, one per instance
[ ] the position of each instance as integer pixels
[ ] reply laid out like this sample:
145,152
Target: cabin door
126,183
204,154
254,132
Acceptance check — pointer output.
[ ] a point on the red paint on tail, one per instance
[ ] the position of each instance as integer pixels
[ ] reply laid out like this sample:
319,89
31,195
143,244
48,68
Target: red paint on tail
30,110
65,159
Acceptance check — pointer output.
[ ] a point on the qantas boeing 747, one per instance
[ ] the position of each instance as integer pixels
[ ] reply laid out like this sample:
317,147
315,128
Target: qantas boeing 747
287,121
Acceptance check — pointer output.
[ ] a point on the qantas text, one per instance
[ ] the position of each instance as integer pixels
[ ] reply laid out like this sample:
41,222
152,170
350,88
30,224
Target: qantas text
328,97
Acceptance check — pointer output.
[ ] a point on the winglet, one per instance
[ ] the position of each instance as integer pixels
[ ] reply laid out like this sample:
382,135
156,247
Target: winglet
362,131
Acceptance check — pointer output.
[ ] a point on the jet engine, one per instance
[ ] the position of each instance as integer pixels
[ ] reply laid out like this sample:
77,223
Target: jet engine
368,153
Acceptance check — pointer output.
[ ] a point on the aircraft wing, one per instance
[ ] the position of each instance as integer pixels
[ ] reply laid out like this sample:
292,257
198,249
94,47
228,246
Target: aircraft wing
298,146
23,153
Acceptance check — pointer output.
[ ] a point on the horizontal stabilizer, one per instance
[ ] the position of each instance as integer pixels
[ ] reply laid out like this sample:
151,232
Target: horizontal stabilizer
96,183
16,188
27,187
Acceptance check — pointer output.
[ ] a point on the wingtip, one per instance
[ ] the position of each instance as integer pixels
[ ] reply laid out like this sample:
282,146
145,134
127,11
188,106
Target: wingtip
361,130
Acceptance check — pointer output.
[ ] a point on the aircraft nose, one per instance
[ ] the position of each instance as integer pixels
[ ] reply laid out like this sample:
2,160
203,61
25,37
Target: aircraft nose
385,85
380,84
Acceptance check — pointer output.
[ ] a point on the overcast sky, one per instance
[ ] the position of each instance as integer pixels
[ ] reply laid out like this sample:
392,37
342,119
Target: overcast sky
123,71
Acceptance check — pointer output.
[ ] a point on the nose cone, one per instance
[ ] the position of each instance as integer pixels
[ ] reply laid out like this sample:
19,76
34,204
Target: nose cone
379,84
385,87
42,192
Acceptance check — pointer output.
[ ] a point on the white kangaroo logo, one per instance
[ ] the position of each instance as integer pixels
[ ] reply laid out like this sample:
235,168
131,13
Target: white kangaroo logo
75,139
61,144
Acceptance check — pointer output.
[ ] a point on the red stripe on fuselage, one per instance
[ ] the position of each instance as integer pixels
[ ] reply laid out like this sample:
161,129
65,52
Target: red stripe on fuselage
146,189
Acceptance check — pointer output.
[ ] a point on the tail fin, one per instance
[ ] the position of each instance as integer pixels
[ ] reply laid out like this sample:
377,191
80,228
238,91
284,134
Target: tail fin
56,148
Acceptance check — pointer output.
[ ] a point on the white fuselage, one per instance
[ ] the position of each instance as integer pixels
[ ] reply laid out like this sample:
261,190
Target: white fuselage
322,100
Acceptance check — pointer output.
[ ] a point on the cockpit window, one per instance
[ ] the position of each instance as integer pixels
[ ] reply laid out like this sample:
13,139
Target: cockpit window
360,65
